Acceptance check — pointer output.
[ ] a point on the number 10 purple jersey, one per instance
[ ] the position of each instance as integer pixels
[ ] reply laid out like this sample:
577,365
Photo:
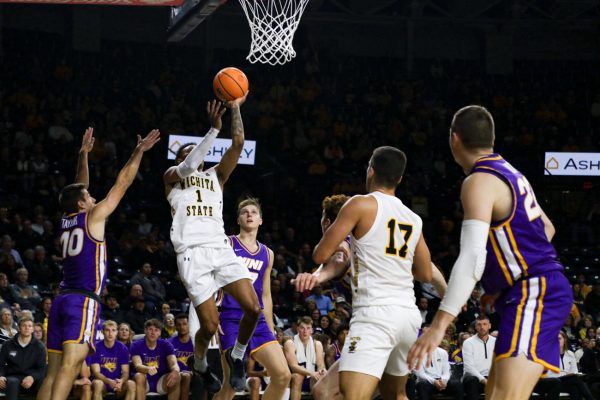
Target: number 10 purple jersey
84,258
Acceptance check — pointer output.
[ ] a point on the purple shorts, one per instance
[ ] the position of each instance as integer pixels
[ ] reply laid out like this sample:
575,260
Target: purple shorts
262,335
532,313
73,319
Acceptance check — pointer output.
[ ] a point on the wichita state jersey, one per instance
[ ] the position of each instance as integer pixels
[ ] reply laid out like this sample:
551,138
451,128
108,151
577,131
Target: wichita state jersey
383,257
197,211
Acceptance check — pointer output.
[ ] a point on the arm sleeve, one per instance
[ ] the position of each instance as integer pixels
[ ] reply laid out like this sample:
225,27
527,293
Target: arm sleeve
469,266
196,156
469,361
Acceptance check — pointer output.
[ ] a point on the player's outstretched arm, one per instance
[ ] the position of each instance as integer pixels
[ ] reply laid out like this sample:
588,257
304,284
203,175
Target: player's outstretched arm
346,221
421,268
104,208
335,267
548,227
438,281
477,196
232,155
87,144
194,159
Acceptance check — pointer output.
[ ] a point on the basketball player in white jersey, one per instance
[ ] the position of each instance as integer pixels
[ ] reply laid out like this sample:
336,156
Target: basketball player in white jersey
389,251
205,259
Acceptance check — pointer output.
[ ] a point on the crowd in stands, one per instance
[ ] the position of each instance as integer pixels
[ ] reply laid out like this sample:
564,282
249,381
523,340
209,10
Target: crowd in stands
315,125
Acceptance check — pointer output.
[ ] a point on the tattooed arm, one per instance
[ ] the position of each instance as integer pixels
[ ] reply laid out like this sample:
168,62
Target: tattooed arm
232,155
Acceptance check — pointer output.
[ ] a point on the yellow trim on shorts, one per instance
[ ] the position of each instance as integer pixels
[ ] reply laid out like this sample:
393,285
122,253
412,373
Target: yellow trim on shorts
536,330
83,323
54,351
263,345
513,344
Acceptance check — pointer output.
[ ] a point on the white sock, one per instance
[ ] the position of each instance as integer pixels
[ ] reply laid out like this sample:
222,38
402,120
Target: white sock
237,353
200,364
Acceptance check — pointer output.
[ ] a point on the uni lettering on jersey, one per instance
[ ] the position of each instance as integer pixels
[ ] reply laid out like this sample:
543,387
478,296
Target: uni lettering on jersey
253,264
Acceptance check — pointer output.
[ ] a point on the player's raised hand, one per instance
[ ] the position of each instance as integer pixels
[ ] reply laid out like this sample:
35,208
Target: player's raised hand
150,140
424,348
215,111
304,281
237,102
87,143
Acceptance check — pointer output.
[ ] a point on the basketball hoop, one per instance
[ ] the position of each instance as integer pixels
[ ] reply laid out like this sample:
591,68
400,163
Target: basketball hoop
273,24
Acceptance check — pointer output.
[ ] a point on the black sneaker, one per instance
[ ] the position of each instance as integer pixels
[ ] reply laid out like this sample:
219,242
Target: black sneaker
202,381
237,372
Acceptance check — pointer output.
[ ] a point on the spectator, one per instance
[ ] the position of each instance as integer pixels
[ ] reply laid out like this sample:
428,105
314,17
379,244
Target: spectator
125,334
426,315
24,294
27,238
478,352
5,293
22,362
39,332
435,378
153,289
135,292
169,329
7,247
592,302
110,365
324,303
7,325
342,309
570,382
137,316
456,355
305,359
335,350
43,271
111,310
154,362
43,312
184,348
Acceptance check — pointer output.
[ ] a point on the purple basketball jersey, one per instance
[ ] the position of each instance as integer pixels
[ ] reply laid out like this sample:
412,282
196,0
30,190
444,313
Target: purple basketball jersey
182,351
257,263
156,357
111,359
84,258
517,245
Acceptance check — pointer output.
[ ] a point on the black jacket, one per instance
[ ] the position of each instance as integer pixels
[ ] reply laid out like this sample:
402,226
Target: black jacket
16,360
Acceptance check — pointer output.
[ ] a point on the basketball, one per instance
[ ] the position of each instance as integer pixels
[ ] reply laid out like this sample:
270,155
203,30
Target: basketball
230,83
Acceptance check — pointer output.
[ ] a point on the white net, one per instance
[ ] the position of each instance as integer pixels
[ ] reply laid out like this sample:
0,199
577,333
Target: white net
273,24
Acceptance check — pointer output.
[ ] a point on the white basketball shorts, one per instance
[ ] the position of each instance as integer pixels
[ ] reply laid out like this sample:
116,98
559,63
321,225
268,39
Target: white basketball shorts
379,340
204,270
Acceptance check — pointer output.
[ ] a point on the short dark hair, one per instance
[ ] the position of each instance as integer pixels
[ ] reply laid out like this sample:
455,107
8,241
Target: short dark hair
153,322
332,205
389,164
475,127
70,196
181,316
342,327
182,147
